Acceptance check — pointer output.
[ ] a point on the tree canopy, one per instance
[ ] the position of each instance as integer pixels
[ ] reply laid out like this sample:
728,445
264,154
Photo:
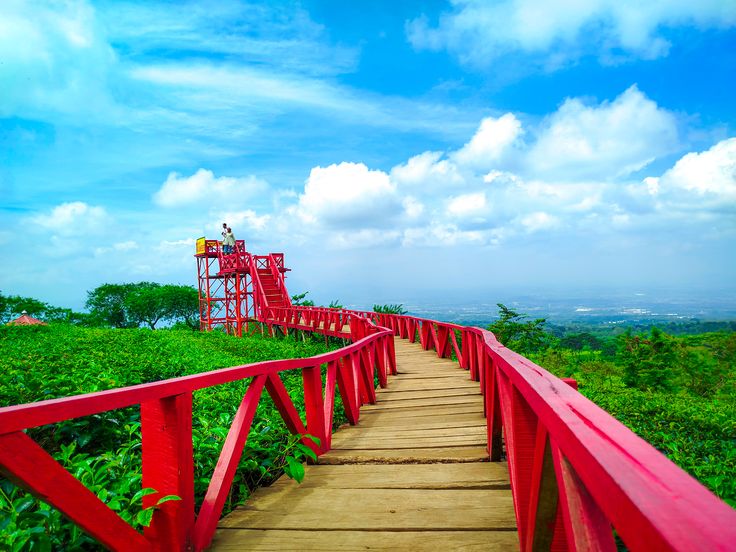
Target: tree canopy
149,303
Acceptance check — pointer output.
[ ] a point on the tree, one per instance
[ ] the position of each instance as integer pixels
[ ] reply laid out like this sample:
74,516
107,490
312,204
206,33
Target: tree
149,303
648,360
580,341
145,304
390,309
524,337
183,304
106,303
300,300
335,304
11,306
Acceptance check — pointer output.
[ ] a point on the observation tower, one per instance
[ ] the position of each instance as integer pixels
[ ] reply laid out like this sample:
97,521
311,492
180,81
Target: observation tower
239,287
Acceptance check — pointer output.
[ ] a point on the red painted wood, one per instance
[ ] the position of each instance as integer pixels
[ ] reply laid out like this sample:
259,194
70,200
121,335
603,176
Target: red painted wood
284,404
27,465
232,449
585,524
314,406
329,404
652,503
168,467
346,386
492,408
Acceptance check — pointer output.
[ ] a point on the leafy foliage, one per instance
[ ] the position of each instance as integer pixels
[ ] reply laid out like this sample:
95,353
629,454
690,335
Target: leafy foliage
131,305
390,309
11,306
300,300
648,361
524,337
40,362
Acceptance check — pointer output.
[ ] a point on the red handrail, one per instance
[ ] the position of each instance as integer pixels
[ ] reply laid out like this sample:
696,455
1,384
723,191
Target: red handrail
576,472
166,438
278,276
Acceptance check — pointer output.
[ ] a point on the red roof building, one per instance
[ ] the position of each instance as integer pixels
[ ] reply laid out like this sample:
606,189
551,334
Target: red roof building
25,320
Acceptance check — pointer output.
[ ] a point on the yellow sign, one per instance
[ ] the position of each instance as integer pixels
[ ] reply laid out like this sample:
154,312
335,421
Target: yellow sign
201,246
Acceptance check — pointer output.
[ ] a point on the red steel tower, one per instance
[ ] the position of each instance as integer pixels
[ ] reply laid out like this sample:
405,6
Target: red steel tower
237,288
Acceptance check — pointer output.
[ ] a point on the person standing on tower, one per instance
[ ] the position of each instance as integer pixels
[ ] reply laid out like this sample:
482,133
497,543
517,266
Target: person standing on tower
228,243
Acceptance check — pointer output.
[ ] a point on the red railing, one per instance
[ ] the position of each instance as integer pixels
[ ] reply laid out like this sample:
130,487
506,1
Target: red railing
239,259
576,472
276,264
166,439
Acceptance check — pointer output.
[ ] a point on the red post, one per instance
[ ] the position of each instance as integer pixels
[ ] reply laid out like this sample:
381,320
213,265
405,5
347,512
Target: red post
167,459
227,463
314,406
585,524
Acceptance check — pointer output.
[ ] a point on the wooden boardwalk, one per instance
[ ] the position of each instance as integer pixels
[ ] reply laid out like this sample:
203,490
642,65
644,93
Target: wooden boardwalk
412,475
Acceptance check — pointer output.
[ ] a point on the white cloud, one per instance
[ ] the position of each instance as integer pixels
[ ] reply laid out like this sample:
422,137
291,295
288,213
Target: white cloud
412,207
479,32
491,141
467,205
348,195
203,188
534,222
426,170
247,219
712,172
603,142
72,219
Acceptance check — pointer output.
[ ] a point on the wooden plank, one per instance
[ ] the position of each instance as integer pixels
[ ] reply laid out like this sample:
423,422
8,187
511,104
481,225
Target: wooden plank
399,509
416,466
423,412
427,384
407,456
421,403
417,443
427,394
349,541
400,420
477,475
390,433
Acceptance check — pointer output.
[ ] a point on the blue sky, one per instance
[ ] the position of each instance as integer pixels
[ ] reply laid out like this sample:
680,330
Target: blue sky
391,150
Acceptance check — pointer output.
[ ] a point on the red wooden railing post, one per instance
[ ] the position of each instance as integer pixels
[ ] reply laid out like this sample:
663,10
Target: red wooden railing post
25,463
545,530
227,463
168,467
492,408
347,386
586,526
314,406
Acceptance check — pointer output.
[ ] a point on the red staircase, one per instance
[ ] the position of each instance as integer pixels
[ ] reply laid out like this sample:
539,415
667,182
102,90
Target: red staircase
239,287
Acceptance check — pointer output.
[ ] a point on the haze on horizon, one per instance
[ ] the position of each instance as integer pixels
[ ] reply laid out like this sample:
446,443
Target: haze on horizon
462,148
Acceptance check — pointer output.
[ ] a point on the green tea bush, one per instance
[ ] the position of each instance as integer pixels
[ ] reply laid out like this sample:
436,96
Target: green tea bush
103,451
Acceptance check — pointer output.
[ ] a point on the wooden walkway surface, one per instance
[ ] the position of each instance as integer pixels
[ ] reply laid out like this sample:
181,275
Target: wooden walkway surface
412,475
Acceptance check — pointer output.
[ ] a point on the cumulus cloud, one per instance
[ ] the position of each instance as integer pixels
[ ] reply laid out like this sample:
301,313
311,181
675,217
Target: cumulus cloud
534,222
72,219
603,141
492,140
427,170
555,33
349,195
709,173
203,188
467,205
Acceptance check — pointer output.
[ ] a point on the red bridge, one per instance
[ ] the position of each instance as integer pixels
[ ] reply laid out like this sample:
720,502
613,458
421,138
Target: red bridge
466,444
